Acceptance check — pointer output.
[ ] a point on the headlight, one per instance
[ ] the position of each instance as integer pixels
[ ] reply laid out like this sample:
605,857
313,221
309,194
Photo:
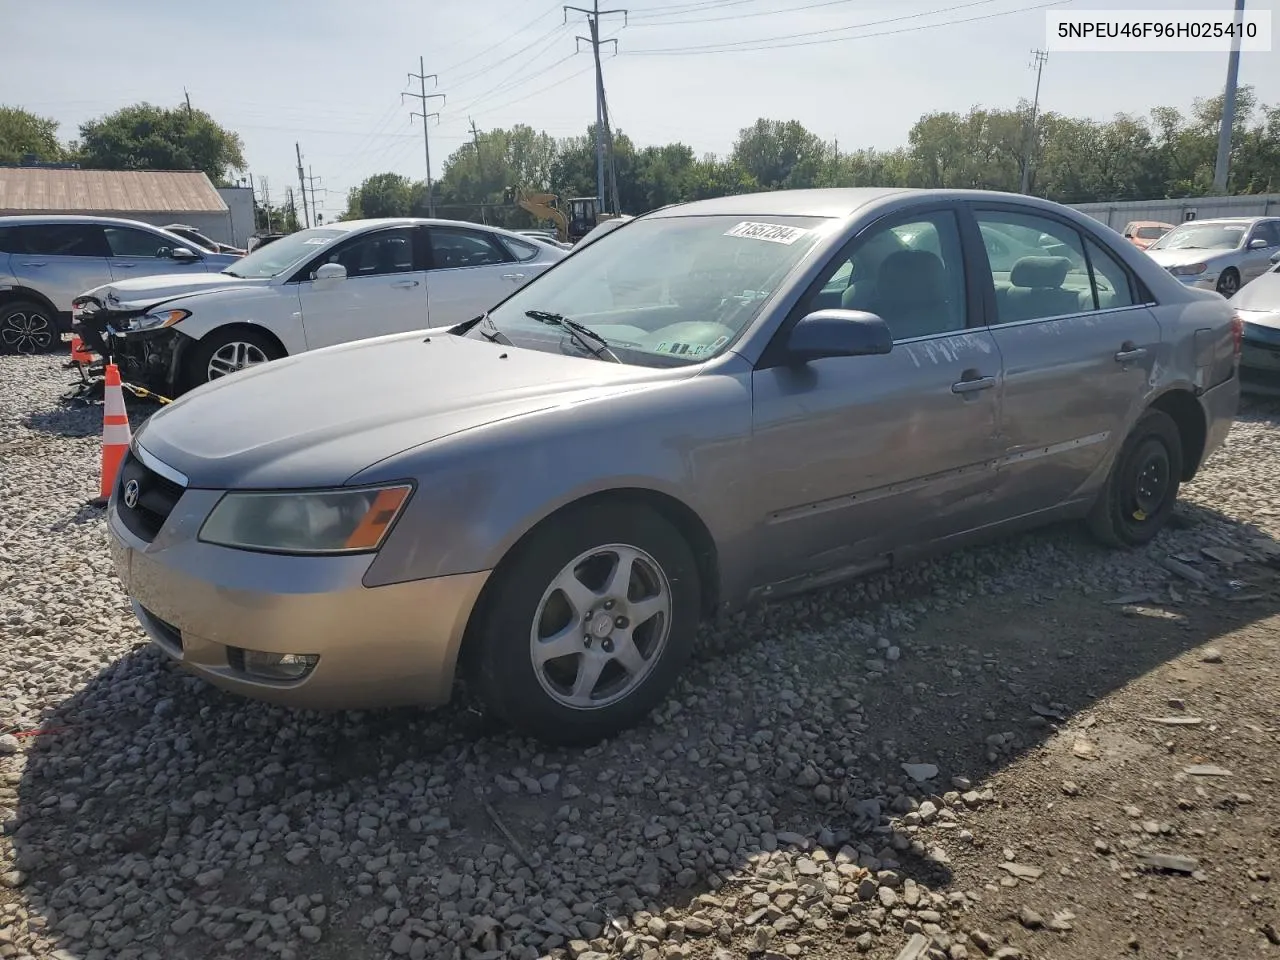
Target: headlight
1189,270
161,318
320,522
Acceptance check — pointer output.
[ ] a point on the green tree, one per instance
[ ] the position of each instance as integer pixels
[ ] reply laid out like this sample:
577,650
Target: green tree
23,132
779,154
148,137
383,195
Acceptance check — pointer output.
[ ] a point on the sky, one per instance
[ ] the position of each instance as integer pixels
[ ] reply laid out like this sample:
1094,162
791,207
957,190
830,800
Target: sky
328,74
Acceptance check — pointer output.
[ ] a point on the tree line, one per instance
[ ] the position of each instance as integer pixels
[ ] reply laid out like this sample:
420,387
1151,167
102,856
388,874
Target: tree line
1167,153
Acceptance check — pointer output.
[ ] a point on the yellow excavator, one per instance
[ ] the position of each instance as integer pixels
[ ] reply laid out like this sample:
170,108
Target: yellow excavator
584,213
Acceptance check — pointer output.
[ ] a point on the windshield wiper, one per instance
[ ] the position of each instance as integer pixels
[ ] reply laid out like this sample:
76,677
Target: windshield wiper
231,273
466,326
579,332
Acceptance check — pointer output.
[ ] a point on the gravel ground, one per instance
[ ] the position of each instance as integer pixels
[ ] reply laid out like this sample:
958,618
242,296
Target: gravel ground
972,757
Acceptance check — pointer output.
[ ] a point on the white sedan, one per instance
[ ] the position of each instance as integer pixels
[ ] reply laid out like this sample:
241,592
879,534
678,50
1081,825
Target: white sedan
328,285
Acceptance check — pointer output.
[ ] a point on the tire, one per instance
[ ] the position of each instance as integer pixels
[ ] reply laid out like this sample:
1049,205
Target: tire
512,663
224,349
1142,488
28,327
1229,282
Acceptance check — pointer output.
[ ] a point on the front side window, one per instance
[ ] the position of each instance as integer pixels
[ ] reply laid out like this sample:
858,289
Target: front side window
663,291
911,275
376,254
452,248
1268,230
127,242
1202,236
283,255
62,240
1038,267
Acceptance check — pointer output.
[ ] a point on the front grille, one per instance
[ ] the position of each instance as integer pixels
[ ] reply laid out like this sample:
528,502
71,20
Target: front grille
157,496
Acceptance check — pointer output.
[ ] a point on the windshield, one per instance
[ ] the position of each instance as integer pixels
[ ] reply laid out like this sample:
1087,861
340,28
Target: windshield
277,257
661,292
1151,233
1202,236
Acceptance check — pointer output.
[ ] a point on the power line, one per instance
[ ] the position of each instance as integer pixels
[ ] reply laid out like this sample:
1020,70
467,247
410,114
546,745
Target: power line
311,182
534,93
677,9
423,97
512,80
743,16
511,36
544,38
765,43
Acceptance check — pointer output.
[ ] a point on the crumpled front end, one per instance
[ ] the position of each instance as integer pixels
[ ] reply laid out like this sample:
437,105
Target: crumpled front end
150,358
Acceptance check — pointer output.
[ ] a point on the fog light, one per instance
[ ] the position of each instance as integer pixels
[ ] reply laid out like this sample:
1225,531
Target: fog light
278,666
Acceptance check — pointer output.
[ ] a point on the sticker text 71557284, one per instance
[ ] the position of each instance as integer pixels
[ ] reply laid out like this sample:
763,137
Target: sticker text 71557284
772,232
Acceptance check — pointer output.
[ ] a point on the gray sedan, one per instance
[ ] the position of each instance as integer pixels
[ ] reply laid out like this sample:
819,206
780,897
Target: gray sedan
714,404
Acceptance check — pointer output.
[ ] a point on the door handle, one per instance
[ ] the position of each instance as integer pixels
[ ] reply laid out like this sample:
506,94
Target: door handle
513,276
1128,353
404,284
124,266
974,385
35,263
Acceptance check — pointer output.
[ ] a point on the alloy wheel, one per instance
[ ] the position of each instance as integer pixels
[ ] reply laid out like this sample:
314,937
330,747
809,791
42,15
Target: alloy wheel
27,331
237,355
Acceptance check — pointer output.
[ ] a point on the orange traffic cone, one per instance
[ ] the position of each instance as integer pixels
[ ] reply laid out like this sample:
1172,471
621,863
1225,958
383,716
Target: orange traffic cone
115,432
78,352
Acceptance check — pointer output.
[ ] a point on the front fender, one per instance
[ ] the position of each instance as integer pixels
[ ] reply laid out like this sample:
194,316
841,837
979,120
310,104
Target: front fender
274,309
481,491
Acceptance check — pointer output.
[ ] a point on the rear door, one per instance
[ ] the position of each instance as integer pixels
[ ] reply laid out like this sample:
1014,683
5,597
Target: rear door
856,457
60,260
383,292
470,271
1078,347
135,252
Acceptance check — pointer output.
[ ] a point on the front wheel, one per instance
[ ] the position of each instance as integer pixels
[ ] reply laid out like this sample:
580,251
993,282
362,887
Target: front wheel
1143,486
224,352
588,624
1229,283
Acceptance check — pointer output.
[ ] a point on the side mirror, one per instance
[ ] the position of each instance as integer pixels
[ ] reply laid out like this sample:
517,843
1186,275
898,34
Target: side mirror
329,271
182,253
838,333
1257,243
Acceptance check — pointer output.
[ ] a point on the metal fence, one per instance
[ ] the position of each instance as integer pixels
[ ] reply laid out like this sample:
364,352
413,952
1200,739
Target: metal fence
1116,215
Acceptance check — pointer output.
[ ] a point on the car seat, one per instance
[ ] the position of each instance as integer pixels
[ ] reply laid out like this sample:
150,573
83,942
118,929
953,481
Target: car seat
911,295
1035,290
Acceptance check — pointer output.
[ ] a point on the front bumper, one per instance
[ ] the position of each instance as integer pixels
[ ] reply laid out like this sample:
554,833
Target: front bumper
148,358
1204,281
377,647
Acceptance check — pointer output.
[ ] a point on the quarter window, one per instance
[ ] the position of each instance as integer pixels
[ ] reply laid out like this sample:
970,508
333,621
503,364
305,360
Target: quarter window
521,250
464,248
375,254
910,274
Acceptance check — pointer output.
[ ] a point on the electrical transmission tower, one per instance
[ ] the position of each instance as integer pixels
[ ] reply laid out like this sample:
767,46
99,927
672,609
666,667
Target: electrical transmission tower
422,97
311,183
593,16
1038,58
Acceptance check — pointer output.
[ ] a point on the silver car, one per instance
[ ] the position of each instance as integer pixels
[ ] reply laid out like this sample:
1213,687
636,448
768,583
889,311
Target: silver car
1258,306
714,404
1222,254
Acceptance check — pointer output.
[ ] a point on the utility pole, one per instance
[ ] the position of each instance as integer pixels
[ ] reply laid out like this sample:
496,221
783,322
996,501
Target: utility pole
613,167
593,16
188,96
302,185
422,97
1228,107
293,210
311,182
475,138
1038,58
266,202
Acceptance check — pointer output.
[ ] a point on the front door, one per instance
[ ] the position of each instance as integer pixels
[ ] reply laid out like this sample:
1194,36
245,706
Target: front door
140,253
470,272
383,292
1078,350
1257,260
60,260
856,456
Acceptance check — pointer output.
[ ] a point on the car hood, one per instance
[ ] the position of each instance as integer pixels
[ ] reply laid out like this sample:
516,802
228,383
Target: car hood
137,292
1258,301
319,418
1178,258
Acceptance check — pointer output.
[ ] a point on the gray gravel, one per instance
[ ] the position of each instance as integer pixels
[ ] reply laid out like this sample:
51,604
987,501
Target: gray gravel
764,807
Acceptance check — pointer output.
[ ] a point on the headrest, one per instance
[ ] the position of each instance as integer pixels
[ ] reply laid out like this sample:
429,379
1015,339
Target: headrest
915,270
1039,272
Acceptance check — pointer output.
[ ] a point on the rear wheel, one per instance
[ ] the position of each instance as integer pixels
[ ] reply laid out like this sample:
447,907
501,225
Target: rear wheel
588,625
27,327
1143,487
224,352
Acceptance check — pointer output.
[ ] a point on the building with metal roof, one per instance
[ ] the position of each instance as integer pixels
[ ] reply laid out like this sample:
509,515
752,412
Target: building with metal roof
158,197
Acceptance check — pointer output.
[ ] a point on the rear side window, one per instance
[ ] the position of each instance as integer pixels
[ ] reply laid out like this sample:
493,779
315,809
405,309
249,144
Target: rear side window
128,242
451,247
520,249
61,240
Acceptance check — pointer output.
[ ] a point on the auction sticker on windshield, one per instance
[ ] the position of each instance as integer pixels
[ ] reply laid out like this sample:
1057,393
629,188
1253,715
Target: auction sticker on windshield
772,232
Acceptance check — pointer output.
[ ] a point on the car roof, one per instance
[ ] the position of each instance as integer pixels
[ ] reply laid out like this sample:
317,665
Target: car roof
373,222
1244,221
33,219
